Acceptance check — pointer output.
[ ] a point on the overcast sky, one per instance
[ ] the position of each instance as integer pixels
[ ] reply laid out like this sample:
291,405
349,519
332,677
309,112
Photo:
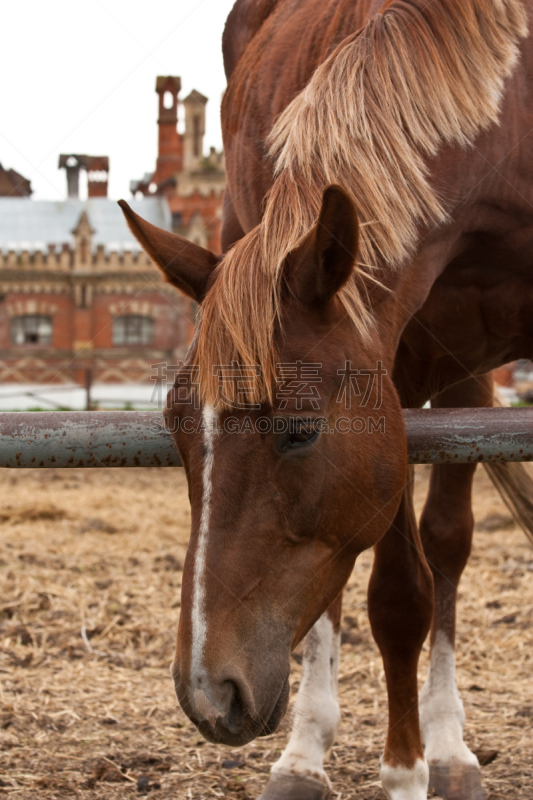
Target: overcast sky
79,77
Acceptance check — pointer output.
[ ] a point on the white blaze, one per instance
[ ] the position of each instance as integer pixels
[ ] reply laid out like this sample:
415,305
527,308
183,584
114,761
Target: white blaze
442,715
199,622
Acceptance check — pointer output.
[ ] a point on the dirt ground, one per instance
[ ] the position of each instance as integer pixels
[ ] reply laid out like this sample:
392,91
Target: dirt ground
90,577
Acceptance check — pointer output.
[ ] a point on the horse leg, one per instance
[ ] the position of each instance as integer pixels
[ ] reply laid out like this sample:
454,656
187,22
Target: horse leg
299,772
446,529
400,610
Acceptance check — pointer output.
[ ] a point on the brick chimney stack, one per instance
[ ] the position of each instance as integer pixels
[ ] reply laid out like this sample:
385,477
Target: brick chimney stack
170,145
97,168
97,175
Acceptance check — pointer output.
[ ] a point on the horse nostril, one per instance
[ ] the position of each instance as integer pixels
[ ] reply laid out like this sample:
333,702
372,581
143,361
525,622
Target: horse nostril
236,709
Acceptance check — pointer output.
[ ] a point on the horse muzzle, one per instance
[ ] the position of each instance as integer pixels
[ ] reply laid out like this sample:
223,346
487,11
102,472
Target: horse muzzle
224,711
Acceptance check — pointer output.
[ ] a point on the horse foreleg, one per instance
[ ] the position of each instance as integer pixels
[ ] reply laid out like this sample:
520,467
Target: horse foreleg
400,609
299,773
446,529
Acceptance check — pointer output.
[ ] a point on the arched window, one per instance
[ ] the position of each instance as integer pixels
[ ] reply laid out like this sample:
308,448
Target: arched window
31,329
133,329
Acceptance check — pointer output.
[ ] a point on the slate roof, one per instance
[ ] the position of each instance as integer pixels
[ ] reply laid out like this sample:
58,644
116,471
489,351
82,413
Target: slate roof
31,225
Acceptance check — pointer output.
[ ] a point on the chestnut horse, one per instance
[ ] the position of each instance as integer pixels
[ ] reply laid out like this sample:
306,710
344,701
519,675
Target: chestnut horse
378,223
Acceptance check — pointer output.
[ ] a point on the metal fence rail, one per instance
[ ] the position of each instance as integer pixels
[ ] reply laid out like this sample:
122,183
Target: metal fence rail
138,439
85,439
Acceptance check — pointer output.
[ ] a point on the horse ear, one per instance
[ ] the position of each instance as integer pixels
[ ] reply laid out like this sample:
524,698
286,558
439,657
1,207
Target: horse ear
326,259
184,264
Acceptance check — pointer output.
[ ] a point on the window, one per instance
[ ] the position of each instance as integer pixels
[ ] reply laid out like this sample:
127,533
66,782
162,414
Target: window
31,329
133,330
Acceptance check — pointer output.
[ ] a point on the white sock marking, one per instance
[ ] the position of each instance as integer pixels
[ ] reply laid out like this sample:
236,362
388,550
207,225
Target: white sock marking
316,711
199,622
442,715
400,783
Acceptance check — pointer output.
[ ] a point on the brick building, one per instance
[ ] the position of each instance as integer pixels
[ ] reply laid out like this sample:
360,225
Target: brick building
192,183
76,290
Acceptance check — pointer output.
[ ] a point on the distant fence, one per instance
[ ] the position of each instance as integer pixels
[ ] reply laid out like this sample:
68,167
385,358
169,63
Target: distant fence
24,390
83,382
91,439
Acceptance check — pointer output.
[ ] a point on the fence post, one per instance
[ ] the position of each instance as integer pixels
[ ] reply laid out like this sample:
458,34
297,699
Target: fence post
88,385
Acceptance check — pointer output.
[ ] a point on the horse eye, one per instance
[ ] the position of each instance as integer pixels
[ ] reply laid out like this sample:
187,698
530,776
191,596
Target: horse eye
304,432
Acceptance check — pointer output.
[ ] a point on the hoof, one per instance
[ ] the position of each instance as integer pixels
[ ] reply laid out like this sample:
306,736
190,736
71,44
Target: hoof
294,787
456,782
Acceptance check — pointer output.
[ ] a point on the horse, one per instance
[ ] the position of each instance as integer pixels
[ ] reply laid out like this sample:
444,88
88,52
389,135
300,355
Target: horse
377,233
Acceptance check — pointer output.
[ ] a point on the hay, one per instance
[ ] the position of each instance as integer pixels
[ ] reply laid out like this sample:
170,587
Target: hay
90,580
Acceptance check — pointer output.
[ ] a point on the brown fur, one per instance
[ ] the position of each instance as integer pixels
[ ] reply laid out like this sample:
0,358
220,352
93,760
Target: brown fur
286,523
246,16
416,77
185,265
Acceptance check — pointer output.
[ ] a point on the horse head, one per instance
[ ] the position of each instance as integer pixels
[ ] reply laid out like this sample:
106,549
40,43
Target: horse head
285,492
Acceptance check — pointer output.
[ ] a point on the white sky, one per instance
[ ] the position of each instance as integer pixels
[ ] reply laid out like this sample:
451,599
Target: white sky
79,77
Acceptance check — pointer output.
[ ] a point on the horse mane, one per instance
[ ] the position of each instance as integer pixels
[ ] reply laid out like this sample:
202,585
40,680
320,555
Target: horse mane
419,75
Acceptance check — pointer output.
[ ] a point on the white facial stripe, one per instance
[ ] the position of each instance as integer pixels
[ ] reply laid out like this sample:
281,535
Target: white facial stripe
199,623
442,715
316,711
400,783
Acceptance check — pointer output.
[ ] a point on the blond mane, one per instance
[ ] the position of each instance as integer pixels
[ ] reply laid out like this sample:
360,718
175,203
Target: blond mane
417,76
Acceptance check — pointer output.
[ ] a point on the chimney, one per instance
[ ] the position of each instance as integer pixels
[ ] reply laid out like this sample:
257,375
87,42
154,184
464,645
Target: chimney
97,168
97,175
194,105
72,165
170,144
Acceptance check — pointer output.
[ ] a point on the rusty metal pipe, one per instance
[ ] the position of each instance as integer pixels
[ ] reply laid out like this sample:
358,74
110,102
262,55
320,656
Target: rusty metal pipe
465,435
85,439
91,439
